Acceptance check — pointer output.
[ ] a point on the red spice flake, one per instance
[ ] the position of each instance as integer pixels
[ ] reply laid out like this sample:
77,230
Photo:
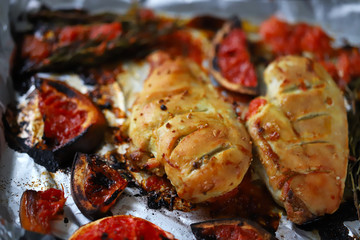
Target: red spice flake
234,59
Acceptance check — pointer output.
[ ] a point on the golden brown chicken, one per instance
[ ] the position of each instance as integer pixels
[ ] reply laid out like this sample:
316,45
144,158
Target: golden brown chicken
301,135
180,126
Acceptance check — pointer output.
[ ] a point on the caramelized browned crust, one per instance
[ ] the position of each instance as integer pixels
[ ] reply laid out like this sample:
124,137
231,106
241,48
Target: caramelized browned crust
180,126
301,137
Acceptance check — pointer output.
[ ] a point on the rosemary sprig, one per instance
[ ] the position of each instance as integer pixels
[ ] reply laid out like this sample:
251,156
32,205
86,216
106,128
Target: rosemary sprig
352,94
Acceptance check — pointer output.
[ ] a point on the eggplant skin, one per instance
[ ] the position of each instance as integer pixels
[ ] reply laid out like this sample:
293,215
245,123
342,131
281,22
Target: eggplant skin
91,169
39,148
220,230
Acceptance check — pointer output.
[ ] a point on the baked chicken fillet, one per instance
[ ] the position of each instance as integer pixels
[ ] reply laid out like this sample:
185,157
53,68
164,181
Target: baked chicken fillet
300,132
180,126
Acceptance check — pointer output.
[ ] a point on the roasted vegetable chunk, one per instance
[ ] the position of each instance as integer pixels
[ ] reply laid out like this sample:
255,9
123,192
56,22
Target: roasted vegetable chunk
55,122
37,209
121,227
229,229
230,59
95,186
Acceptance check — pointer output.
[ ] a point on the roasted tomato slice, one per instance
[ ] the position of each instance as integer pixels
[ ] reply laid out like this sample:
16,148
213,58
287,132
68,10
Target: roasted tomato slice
95,186
121,227
37,209
230,59
72,123
229,229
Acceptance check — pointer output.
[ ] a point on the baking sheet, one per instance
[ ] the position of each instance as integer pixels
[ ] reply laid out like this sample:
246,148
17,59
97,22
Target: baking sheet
18,172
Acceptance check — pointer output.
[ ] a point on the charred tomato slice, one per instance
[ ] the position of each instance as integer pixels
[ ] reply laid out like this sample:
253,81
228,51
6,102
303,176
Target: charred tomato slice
58,122
95,186
230,59
38,208
121,227
229,229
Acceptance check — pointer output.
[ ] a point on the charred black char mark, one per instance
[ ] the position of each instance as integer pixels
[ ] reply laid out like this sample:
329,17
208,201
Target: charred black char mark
45,158
206,22
236,22
113,197
12,130
59,86
332,226
155,200
68,16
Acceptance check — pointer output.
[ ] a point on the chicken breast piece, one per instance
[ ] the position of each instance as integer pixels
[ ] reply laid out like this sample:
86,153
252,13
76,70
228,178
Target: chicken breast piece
180,126
301,136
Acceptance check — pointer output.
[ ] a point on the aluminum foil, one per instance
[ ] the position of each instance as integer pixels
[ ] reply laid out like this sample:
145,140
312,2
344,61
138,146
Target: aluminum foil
18,172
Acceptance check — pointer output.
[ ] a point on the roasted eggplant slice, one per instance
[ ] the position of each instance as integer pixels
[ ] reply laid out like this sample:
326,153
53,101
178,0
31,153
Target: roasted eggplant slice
229,229
37,209
95,186
59,48
121,227
55,122
230,62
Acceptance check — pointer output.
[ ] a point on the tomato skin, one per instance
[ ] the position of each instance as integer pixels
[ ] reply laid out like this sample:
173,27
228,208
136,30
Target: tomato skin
348,65
275,32
120,228
63,120
234,59
35,49
156,183
254,106
70,34
287,39
106,32
37,209
316,41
